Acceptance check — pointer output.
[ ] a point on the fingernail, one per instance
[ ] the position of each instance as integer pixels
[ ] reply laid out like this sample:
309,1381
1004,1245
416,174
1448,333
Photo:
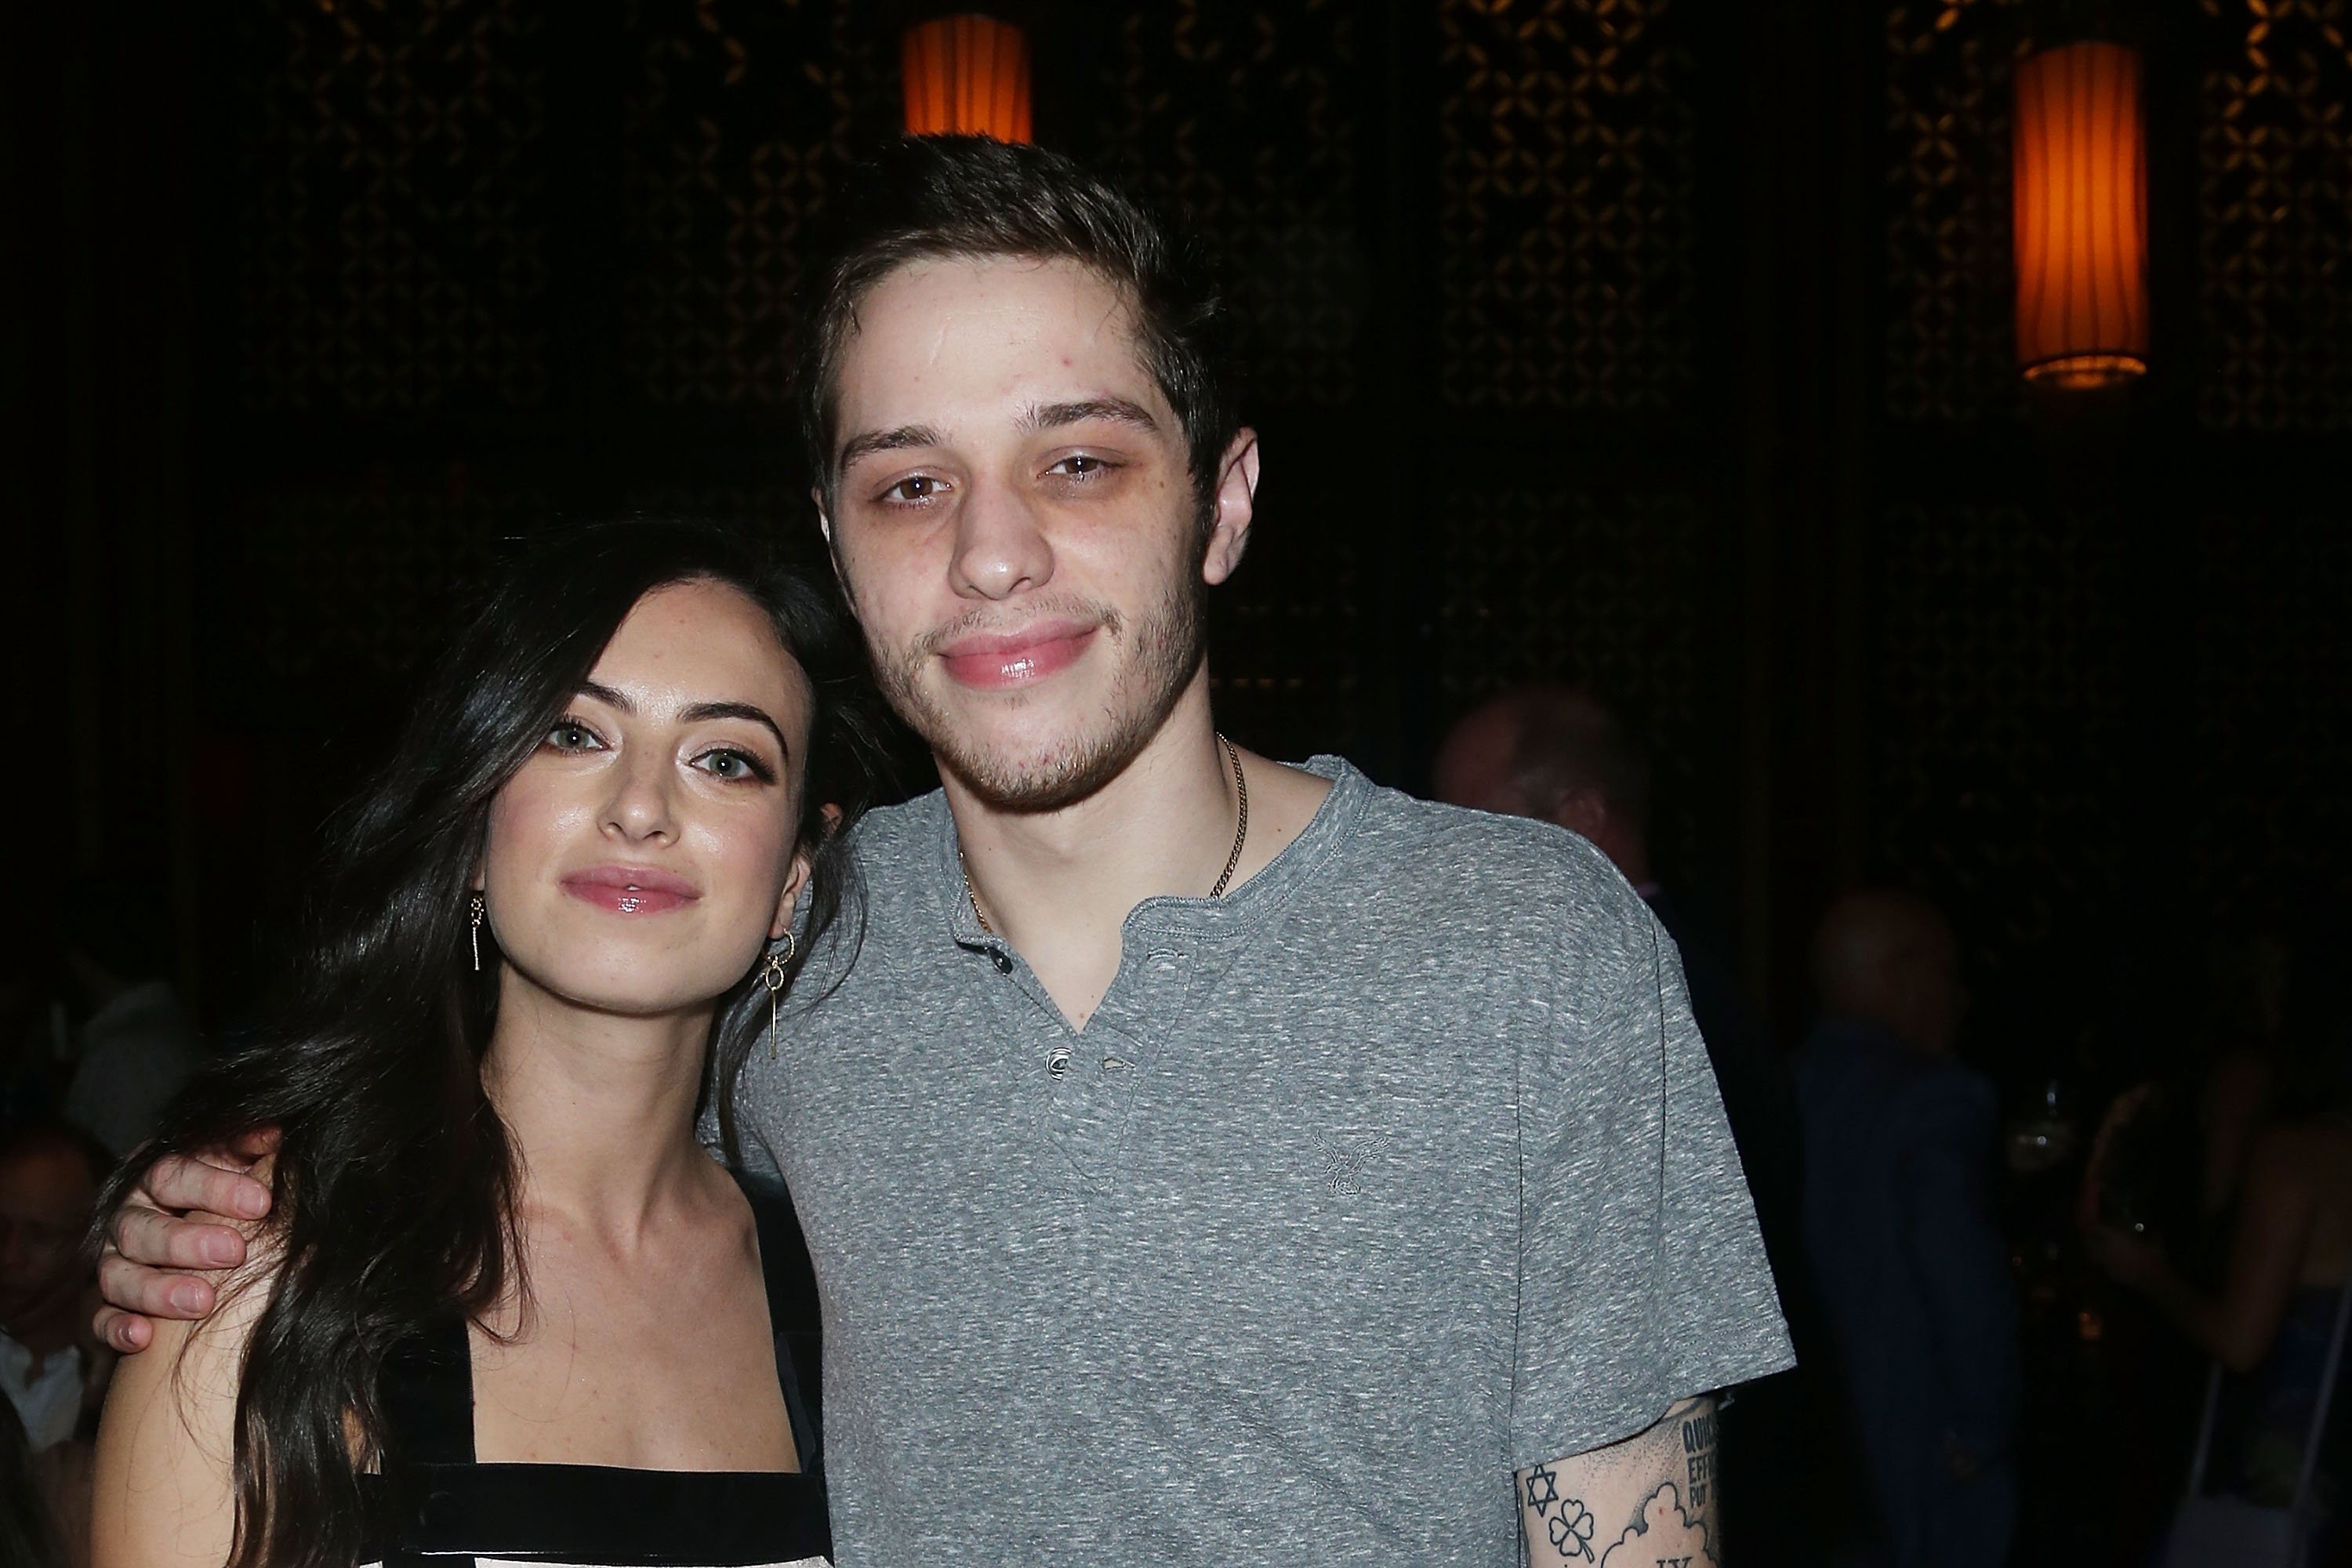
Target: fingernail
188,1298
251,1203
220,1249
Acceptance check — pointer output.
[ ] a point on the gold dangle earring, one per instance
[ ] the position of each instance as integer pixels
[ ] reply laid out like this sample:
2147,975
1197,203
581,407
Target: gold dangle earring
772,975
474,936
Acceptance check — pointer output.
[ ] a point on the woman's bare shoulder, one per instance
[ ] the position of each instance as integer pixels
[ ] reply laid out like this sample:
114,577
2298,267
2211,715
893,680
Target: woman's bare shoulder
163,1492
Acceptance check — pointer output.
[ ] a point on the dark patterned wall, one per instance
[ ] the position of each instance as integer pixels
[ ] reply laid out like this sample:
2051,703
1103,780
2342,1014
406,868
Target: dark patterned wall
2003,700
739,117
2061,687
392,236
1950,328
1567,211
2275,217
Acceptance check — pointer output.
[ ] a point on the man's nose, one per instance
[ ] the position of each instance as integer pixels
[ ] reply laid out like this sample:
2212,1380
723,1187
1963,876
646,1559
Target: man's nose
1000,549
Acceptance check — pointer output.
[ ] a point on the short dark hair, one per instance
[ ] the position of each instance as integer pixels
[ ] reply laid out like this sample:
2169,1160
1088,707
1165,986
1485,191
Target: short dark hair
1568,741
935,197
53,1135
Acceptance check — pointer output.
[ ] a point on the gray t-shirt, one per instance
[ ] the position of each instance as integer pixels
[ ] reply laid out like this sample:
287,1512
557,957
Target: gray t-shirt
1396,1170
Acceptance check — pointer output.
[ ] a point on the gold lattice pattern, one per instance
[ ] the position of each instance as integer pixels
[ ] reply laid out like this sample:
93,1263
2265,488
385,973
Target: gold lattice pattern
1950,332
1245,118
2274,209
392,256
1567,168
740,116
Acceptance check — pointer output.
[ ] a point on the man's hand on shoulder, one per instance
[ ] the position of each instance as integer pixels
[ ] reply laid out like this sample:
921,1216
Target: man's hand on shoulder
188,1219
1646,1502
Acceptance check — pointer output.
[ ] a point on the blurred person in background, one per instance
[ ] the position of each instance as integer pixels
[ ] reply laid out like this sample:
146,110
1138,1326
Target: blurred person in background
2273,1309
1559,755
50,1367
2167,1162
1901,1144
138,1044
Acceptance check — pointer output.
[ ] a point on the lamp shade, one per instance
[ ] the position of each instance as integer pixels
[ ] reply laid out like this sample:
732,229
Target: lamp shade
967,74
2081,215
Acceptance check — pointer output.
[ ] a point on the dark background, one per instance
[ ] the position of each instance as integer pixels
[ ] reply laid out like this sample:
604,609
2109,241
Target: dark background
1655,344
1660,345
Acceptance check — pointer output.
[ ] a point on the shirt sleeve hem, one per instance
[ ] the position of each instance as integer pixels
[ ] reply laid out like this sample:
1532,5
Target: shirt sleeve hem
1539,1443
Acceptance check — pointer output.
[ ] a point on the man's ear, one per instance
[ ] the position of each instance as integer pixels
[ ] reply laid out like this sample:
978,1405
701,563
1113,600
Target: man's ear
1236,500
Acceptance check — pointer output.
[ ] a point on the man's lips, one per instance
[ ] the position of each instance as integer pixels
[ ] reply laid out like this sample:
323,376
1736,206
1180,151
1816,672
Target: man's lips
631,889
1015,658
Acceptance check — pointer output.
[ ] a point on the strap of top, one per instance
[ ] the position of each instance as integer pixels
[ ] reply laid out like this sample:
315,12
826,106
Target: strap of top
791,1288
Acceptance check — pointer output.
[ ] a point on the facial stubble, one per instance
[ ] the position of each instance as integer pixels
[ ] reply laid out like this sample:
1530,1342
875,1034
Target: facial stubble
1163,649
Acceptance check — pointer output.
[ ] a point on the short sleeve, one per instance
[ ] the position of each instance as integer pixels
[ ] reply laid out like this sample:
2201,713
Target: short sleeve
1643,1280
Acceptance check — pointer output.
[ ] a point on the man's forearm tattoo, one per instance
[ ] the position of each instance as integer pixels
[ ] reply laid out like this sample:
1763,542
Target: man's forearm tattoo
1665,1533
1566,1519
1698,1452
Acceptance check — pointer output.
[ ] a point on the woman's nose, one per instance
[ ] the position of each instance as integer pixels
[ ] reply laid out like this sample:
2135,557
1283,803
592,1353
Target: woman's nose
642,806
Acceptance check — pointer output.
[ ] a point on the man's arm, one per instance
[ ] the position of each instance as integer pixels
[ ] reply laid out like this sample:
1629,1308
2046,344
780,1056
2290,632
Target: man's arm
1646,1502
176,1221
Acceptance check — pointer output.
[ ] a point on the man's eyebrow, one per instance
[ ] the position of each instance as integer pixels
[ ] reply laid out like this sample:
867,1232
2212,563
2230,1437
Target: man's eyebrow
867,442
1118,410
693,713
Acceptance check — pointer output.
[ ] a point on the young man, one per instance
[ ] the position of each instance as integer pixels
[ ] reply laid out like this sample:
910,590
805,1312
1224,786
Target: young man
1204,1160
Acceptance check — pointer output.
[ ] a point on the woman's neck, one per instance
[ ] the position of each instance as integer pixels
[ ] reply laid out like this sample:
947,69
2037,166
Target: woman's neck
600,1107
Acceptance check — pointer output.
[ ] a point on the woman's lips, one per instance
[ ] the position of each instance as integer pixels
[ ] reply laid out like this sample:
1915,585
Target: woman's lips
631,891
1015,659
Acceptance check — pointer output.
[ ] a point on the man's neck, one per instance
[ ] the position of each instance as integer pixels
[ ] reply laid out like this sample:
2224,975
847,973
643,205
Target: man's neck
1059,885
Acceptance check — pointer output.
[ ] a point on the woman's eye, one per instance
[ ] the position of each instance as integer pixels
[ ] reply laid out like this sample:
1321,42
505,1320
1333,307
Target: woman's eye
732,764
914,488
571,735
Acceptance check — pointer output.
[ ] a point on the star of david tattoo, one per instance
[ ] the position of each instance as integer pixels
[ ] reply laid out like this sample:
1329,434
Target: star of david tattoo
1543,1488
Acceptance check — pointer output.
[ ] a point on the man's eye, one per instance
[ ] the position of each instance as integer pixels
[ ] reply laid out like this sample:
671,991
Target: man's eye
1080,465
915,488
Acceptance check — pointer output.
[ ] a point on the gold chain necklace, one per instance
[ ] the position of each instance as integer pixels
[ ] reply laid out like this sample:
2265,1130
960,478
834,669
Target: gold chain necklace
1224,877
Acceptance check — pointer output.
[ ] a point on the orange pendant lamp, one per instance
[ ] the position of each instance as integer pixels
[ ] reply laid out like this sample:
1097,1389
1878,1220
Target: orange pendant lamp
2080,175
967,74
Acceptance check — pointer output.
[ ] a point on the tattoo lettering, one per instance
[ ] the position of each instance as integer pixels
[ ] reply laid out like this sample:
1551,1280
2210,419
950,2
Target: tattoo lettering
1665,1535
1698,1451
1571,1530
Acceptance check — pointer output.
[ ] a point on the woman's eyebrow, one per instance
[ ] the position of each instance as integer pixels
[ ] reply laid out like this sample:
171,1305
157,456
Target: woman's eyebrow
697,712
693,713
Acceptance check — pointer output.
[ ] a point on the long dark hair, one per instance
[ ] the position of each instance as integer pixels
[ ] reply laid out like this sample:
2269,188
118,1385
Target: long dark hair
396,1179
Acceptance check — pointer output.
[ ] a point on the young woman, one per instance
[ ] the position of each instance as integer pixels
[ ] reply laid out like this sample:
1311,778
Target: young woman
505,1304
